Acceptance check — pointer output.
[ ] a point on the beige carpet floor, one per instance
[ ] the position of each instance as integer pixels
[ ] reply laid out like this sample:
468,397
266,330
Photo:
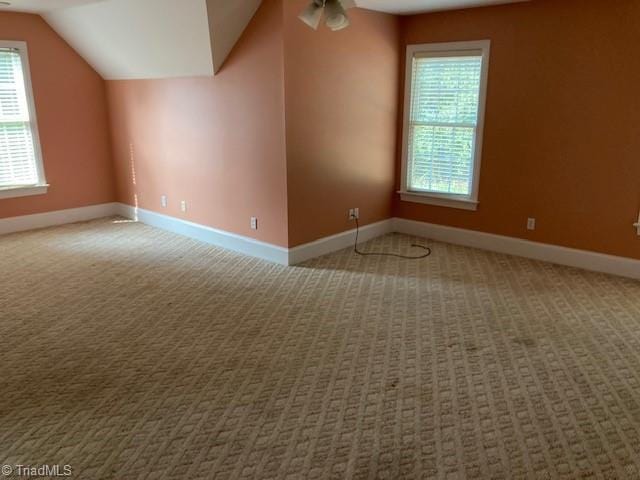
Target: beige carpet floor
132,353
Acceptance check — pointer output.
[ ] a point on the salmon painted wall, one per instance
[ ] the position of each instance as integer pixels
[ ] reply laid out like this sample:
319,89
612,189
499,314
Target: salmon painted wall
562,140
341,110
217,143
71,106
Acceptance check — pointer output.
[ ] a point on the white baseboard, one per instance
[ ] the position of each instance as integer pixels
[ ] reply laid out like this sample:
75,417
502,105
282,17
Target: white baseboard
250,246
58,217
338,242
598,262
213,236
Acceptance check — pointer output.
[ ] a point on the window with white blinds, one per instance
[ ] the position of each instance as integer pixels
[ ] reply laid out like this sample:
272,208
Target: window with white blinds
443,126
20,164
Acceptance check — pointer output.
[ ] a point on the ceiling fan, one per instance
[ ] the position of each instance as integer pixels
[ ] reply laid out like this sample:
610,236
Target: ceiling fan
335,10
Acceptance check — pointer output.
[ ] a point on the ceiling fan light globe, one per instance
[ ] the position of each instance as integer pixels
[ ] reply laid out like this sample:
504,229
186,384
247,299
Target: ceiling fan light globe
337,22
336,15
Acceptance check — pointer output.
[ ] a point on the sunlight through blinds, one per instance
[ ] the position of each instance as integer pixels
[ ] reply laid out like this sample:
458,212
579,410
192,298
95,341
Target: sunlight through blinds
17,155
443,123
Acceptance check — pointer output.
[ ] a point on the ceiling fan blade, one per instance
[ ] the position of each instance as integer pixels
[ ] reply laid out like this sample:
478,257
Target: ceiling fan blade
312,15
336,15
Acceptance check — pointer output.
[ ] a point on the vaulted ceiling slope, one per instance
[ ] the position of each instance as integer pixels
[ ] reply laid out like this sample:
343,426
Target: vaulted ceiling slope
125,39
132,39
227,21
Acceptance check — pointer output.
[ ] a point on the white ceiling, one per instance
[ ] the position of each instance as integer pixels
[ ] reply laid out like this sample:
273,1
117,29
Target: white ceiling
129,39
40,6
125,39
404,7
390,6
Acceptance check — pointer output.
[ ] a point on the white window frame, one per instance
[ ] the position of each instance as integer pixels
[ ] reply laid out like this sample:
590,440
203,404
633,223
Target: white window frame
41,187
453,49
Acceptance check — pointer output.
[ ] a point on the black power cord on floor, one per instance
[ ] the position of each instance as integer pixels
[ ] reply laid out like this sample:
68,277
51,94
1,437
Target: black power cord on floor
397,255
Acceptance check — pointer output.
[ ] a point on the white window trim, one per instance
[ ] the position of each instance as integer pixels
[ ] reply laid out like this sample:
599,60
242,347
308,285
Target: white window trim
41,187
464,202
28,191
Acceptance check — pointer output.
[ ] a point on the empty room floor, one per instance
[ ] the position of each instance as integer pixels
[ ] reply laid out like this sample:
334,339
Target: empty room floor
129,352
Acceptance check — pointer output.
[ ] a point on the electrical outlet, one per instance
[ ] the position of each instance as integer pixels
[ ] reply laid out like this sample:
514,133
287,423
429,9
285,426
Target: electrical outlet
183,206
163,201
254,223
531,224
354,214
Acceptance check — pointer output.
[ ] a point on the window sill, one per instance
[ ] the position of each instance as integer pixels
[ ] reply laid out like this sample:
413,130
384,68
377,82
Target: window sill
24,191
451,201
